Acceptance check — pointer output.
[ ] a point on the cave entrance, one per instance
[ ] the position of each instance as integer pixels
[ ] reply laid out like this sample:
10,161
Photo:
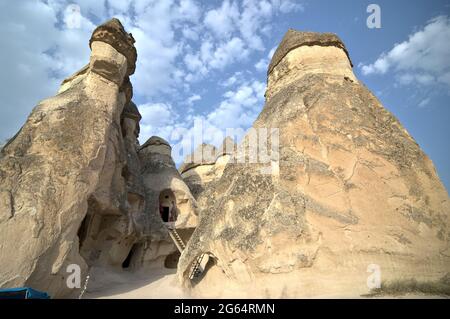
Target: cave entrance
167,206
165,214
127,262
171,261
83,230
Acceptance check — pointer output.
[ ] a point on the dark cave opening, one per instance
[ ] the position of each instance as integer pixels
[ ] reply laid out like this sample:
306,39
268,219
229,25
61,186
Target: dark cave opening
127,262
165,214
171,261
167,206
83,230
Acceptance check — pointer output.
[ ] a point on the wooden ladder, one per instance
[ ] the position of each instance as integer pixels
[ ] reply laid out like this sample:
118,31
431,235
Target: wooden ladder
177,239
195,269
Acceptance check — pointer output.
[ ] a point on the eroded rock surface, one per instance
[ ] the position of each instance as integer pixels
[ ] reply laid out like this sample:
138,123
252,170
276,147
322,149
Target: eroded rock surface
347,190
72,171
352,190
206,165
164,182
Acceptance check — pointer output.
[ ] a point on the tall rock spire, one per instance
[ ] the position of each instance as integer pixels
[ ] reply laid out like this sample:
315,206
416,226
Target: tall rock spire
66,167
353,189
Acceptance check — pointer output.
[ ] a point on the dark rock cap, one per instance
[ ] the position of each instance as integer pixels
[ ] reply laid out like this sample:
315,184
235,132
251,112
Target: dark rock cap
113,33
294,39
155,140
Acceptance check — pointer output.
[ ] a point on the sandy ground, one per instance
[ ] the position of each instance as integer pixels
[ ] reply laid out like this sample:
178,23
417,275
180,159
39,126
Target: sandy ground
161,283
125,285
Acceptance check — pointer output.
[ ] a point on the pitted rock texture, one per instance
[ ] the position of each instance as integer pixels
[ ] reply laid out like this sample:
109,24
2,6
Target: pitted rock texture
113,33
65,199
163,186
352,189
294,39
161,176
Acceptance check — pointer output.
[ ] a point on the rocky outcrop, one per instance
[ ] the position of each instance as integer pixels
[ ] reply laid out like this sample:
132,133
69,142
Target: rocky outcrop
162,179
206,164
114,34
163,187
353,191
71,191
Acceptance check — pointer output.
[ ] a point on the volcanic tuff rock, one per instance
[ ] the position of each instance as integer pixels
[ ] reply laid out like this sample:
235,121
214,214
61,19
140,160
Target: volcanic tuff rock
348,186
74,161
160,174
206,164
353,189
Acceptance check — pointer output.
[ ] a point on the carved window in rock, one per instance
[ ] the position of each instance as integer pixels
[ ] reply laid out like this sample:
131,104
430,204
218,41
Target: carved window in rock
167,206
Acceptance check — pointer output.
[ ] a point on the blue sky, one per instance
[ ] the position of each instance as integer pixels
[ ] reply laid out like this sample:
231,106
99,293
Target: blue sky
207,60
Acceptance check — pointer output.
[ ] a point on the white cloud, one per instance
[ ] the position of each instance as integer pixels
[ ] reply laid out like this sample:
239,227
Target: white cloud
287,6
193,62
419,78
206,50
36,56
237,110
424,102
261,65
156,114
254,15
444,78
190,33
249,21
228,53
222,21
119,5
189,10
235,78
156,45
154,57
194,98
381,66
210,58
271,53
423,59
157,119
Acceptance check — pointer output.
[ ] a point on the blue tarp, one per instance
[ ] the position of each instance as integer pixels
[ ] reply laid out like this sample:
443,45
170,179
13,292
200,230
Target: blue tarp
22,293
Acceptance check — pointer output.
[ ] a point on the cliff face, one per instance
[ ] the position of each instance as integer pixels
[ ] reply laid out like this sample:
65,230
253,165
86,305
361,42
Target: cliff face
71,172
352,188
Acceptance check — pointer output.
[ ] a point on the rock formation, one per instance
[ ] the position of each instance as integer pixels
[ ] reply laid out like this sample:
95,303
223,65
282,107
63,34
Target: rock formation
206,164
340,188
72,171
164,187
77,188
163,181
352,190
